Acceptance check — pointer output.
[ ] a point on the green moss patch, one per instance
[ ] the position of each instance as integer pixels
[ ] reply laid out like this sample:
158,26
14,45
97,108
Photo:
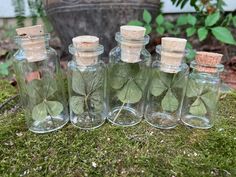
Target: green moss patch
114,151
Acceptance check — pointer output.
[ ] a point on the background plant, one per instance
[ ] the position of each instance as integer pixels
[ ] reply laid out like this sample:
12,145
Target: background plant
209,21
36,9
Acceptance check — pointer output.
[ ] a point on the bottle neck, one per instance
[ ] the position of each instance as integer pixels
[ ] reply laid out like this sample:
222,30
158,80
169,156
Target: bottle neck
170,61
131,48
206,72
34,47
86,57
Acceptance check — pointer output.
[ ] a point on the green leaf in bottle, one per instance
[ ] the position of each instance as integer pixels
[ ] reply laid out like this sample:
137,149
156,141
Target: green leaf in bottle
88,87
77,104
54,108
130,93
157,87
169,102
209,99
41,91
198,108
39,112
78,84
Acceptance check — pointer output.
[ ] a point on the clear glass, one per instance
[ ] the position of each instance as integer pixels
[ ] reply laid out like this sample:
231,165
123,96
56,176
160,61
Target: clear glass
41,87
127,84
200,102
86,86
165,94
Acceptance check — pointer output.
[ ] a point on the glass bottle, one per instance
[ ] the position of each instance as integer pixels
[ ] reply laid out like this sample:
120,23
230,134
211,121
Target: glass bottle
87,79
128,77
41,84
166,90
200,102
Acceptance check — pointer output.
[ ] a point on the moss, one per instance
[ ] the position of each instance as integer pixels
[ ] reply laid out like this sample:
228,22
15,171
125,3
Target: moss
113,151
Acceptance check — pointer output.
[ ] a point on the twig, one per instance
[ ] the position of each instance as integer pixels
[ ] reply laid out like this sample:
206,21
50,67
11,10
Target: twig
8,100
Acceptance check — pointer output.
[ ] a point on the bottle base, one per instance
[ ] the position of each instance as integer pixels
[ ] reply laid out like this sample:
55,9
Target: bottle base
196,122
48,125
124,116
161,120
88,121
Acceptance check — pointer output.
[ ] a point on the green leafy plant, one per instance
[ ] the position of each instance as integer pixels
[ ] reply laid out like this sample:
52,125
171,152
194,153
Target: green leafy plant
42,91
203,98
204,24
210,21
19,8
164,26
208,6
36,10
164,85
147,19
4,68
88,87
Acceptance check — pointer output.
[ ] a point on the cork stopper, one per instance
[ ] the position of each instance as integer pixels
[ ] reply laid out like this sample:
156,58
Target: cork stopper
172,53
208,61
34,47
85,50
130,50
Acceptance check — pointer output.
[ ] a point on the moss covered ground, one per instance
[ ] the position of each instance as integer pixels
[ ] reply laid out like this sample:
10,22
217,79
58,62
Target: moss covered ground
113,151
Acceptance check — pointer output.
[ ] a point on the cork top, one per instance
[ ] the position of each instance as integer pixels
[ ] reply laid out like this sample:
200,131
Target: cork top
30,31
208,58
132,39
33,42
208,62
86,50
173,44
132,32
172,53
85,42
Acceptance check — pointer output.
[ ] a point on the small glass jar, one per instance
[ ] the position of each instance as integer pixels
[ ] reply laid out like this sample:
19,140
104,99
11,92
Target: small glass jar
166,92
41,84
200,102
87,100
128,72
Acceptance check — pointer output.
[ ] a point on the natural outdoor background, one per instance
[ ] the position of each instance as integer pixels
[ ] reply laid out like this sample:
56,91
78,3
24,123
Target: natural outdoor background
141,150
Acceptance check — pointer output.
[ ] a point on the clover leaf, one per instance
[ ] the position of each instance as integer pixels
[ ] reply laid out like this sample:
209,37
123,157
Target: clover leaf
129,80
120,74
193,89
41,88
169,102
77,104
157,87
130,93
40,111
88,86
198,108
141,78
165,83
78,84
209,99
40,92
204,98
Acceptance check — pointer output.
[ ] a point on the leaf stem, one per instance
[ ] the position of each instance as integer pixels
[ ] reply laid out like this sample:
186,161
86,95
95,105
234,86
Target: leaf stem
87,106
53,123
122,106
